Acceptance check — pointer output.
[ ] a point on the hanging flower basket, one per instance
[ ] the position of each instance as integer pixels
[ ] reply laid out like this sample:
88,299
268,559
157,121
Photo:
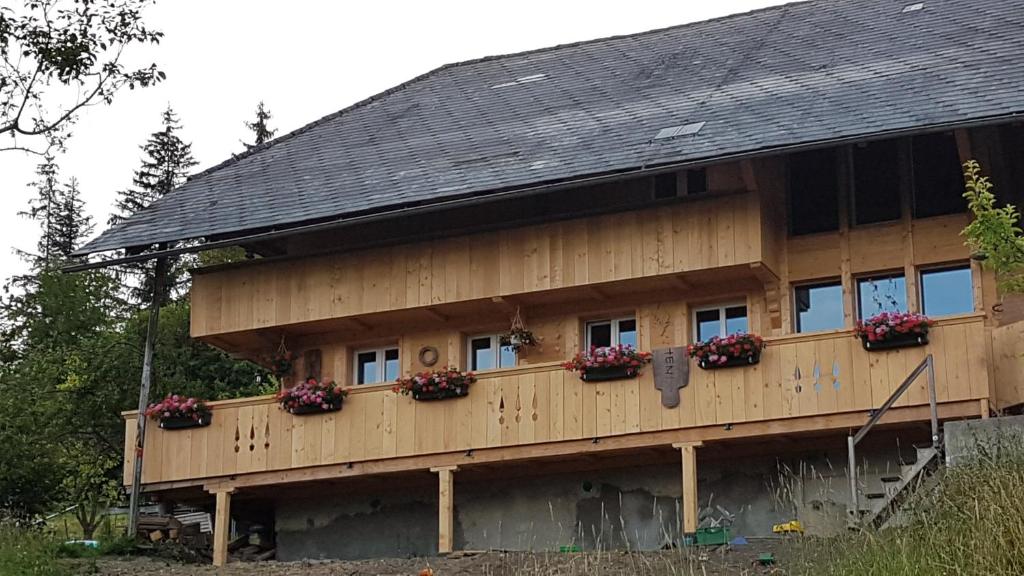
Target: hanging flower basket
176,412
312,397
733,350
518,337
611,363
890,330
448,382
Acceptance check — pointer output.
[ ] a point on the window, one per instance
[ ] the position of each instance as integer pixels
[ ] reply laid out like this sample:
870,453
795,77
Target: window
947,291
720,321
665,185
813,192
876,182
487,353
380,365
605,333
938,176
696,181
819,307
881,294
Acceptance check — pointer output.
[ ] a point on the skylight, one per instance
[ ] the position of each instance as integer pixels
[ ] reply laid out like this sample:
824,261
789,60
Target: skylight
682,130
522,80
913,7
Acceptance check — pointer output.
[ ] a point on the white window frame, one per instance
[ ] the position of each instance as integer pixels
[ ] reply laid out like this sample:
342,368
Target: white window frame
614,322
381,361
495,347
721,317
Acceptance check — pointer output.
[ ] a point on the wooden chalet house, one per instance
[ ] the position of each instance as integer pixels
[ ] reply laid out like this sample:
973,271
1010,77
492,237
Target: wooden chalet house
785,172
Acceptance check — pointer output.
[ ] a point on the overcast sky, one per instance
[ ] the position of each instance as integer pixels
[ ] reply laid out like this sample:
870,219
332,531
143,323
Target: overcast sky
305,60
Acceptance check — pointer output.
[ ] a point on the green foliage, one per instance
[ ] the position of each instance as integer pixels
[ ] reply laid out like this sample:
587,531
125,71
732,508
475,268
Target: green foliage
994,234
971,523
58,56
25,552
260,130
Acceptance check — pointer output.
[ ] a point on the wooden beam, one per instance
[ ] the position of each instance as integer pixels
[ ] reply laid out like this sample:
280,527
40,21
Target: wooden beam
596,292
749,180
525,453
433,313
445,508
689,472
222,527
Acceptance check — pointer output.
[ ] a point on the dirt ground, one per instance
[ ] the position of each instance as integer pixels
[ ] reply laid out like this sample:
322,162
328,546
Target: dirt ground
733,561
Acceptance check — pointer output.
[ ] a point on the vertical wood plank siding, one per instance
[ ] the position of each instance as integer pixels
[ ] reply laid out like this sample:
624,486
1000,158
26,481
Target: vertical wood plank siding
544,404
723,230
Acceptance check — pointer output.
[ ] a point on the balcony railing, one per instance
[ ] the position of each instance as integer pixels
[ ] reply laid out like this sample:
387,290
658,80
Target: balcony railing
799,375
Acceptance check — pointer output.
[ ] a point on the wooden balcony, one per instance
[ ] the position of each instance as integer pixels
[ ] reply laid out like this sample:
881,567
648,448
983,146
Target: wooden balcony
543,409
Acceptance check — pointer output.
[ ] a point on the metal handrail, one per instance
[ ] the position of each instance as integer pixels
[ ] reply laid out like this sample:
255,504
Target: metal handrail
928,364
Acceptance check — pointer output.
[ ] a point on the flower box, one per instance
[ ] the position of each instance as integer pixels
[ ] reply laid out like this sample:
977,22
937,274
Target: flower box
605,373
895,341
177,412
312,397
732,350
890,330
442,384
731,361
456,392
608,363
182,422
314,409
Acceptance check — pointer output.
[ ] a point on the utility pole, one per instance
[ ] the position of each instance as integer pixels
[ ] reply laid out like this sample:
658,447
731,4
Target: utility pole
159,279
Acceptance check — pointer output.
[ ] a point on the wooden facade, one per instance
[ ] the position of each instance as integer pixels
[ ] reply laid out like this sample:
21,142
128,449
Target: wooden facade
543,403
657,262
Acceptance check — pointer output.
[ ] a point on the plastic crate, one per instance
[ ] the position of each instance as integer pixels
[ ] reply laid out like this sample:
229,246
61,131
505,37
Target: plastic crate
715,536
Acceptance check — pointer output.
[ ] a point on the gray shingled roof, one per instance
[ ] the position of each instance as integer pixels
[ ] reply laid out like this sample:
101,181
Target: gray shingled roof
799,73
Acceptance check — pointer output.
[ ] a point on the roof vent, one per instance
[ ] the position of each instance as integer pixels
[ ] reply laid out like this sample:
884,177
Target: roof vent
913,7
522,80
684,130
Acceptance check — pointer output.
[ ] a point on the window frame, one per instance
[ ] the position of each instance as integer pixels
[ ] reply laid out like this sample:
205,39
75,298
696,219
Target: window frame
615,330
381,352
495,340
721,317
882,275
835,281
921,272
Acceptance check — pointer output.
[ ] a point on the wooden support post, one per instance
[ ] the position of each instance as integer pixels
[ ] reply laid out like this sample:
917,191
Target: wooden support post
445,508
689,470
222,527
983,405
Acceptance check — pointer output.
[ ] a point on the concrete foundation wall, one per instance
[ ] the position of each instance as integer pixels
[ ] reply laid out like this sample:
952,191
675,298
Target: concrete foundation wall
972,438
634,508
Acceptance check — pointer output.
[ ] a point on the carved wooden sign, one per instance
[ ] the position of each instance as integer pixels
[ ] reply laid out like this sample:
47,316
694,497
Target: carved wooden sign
671,373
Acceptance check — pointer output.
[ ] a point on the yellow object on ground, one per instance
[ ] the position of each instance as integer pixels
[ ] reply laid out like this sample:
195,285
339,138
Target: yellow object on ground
788,527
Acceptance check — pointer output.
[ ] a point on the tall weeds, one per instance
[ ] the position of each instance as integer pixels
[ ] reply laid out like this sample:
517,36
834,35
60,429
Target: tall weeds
969,522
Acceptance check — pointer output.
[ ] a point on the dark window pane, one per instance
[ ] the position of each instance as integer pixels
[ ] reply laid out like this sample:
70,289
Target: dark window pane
948,291
876,182
507,358
481,354
736,320
600,334
665,185
627,333
709,324
366,363
819,307
938,177
883,294
696,181
813,193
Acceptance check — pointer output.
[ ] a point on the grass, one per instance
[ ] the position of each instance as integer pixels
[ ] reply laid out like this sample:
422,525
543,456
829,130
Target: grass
25,552
970,522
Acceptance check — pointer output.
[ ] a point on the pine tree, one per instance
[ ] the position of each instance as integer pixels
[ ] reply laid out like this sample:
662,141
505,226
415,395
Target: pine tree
42,209
166,163
165,166
70,225
259,128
